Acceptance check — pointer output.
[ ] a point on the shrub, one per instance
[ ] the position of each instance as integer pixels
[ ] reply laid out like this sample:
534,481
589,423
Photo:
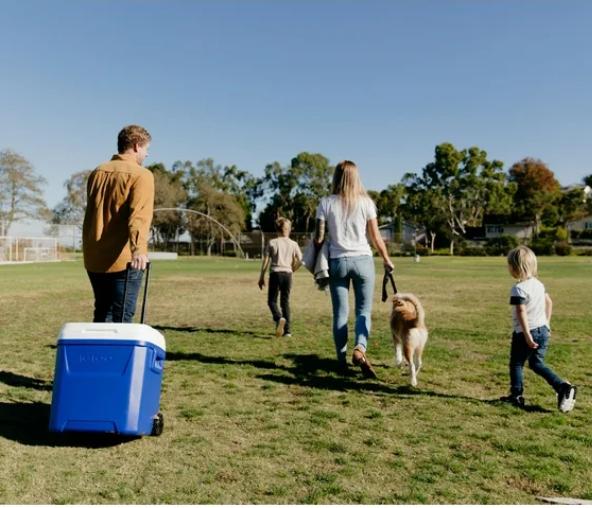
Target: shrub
562,248
473,250
500,246
561,234
422,250
542,246
584,252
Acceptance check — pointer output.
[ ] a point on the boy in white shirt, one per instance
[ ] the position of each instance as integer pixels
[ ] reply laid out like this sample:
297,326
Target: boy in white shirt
283,256
531,317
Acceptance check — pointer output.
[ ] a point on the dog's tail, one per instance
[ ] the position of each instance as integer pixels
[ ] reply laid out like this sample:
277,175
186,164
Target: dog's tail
418,307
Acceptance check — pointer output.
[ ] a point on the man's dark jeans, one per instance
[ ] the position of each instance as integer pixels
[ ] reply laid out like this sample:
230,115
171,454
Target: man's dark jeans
520,353
280,282
108,289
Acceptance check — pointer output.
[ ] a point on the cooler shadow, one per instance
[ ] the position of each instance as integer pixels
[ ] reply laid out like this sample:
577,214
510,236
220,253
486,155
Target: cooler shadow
27,423
223,331
17,380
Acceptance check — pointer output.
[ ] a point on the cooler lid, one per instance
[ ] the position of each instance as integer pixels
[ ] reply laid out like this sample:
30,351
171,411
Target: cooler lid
112,331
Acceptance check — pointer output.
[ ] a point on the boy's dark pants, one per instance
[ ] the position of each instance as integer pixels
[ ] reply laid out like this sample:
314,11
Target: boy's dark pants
108,290
280,282
520,353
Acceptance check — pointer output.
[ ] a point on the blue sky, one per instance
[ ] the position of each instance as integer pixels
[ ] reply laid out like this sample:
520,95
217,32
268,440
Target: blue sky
250,82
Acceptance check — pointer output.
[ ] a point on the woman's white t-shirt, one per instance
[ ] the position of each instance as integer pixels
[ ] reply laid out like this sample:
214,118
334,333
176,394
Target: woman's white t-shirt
347,232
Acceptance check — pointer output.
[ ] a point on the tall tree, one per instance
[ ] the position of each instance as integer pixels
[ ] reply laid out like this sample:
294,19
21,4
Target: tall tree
388,202
228,179
218,205
571,205
71,209
294,191
423,207
21,196
537,190
464,185
168,193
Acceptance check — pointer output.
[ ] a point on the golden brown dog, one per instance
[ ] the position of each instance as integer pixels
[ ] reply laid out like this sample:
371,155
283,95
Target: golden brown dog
409,332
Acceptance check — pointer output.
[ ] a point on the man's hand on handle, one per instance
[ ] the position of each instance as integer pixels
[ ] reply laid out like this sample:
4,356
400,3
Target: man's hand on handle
139,261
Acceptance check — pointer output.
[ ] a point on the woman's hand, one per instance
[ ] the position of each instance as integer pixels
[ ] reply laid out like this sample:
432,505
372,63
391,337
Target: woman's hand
388,266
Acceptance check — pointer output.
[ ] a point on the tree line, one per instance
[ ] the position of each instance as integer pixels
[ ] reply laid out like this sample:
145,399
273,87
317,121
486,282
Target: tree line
458,190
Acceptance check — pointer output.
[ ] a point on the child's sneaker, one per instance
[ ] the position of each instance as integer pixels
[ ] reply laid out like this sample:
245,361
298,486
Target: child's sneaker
515,400
287,334
566,398
279,329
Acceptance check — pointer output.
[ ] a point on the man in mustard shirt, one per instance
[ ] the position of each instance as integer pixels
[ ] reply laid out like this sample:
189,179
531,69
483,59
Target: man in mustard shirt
117,226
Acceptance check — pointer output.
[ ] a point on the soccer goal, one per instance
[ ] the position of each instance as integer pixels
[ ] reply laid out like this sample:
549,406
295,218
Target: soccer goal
28,249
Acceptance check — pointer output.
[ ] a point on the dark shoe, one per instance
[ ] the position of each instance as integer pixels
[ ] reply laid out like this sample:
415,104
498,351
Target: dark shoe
515,400
359,358
566,398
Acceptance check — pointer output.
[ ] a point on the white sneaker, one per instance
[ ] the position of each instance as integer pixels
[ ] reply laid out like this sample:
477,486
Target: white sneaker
279,329
566,398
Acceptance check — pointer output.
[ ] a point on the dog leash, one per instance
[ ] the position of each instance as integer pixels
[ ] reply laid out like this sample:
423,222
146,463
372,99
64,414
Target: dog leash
388,275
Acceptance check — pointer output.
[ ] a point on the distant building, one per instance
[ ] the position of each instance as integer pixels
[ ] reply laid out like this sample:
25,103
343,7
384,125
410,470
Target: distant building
410,233
522,231
583,224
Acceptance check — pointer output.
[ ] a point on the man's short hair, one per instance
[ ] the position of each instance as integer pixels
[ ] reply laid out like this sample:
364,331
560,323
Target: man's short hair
131,135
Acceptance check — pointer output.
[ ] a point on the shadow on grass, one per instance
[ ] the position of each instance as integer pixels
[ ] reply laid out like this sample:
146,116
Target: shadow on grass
312,371
224,331
218,360
27,423
12,379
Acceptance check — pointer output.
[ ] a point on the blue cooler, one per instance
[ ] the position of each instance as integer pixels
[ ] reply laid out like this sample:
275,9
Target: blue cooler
107,379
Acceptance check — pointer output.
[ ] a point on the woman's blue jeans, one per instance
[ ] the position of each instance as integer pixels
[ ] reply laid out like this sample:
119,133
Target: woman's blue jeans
520,353
360,271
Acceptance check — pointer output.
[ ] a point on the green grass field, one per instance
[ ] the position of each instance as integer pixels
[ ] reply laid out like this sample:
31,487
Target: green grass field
254,419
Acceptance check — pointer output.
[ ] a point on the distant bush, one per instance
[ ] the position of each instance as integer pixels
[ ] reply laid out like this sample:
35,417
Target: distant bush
561,235
562,248
473,250
500,246
444,251
422,250
584,252
542,246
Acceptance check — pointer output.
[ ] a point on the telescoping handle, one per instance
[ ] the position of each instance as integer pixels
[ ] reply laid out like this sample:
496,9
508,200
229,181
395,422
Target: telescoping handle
127,271
388,275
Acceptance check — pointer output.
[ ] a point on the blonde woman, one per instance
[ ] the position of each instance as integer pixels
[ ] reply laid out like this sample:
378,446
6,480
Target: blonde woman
346,219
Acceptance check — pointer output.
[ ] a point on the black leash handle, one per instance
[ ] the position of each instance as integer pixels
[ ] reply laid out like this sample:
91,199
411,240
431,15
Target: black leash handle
127,270
388,275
